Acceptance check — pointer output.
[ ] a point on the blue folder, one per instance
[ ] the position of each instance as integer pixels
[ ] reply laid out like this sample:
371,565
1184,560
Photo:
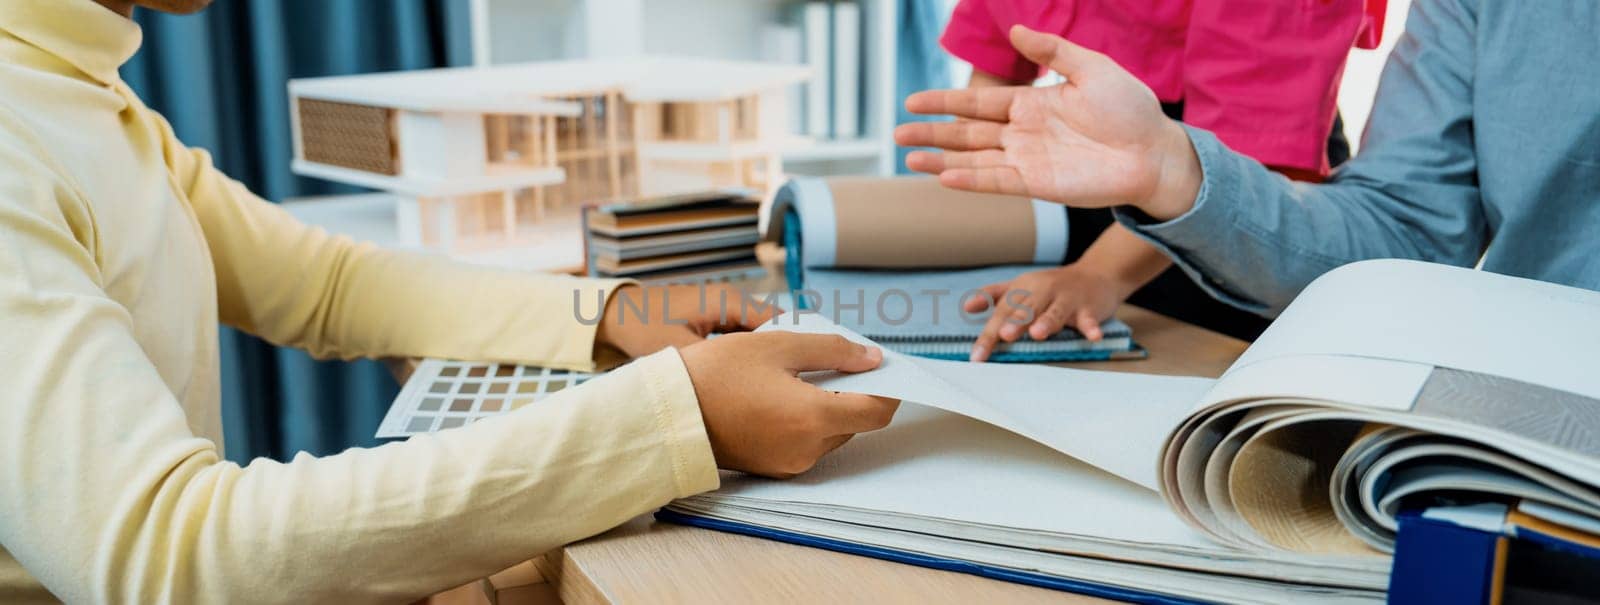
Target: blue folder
1487,557
1441,562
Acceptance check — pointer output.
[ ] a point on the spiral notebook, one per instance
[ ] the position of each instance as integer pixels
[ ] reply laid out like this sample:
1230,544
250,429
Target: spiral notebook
919,313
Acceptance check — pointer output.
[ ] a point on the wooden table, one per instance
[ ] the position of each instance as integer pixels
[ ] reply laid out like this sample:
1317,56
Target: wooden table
649,562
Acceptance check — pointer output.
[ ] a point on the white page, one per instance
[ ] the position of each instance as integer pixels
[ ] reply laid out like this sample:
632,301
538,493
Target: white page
1367,337
899,376
1536,332
1372,383
960,469
1114,421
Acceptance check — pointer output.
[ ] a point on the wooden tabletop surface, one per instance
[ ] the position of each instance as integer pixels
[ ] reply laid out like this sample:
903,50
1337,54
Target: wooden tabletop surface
646,561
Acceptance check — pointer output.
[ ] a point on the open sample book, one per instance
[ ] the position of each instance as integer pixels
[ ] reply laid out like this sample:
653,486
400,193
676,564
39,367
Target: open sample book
1385,385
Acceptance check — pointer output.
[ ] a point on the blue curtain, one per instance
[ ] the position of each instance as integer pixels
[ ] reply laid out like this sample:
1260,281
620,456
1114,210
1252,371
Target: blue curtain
920,64
220,77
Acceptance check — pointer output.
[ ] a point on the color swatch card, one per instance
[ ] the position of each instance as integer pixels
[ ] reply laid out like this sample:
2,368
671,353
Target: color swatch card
447,394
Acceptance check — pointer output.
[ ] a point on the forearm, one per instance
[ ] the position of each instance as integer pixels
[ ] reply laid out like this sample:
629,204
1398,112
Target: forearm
1254,239
440,510
1179,175
369,302
1124,259
117,502
300,286
110,496
1206,233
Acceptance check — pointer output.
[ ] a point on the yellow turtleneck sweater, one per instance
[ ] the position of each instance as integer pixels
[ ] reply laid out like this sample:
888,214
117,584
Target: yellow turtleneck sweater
120,251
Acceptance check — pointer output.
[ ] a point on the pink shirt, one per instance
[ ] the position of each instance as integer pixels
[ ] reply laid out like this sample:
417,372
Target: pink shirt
1261,74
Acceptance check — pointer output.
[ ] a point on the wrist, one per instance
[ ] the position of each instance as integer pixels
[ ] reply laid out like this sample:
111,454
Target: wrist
606,331
1110,275
1180,178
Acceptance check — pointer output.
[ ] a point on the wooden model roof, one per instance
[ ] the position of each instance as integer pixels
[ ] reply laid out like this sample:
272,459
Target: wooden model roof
525,88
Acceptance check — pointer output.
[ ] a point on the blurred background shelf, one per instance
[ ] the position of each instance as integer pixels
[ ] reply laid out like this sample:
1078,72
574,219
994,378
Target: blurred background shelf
371,217
835,149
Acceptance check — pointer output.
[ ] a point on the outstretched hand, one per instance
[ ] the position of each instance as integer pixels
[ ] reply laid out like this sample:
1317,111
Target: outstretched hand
1099,139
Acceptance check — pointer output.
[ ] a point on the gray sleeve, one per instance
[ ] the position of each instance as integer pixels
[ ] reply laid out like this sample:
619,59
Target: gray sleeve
1254,238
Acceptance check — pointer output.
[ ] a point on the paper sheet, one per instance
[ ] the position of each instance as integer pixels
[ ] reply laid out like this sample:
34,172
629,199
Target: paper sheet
1115,421
886,471
1532,331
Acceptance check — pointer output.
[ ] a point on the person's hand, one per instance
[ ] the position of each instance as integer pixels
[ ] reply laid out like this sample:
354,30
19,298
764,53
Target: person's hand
640,320
1097,140
1042,303
761,417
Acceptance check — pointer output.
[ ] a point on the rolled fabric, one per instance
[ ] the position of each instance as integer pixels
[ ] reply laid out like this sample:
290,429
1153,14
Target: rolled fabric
914,223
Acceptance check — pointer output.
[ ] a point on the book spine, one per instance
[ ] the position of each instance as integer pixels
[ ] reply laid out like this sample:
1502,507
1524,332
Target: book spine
588,234
817,50
786,44
846,70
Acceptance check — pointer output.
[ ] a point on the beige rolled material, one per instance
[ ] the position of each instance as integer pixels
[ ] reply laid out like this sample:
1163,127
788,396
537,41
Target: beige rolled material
913,222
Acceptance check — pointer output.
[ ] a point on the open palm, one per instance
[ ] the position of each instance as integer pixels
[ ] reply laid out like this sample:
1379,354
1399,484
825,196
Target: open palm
1099,139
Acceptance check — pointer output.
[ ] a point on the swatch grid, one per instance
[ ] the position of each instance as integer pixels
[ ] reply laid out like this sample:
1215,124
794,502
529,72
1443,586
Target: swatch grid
447,394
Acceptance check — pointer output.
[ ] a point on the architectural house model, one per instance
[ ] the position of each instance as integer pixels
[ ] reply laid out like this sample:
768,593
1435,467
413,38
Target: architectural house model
478,155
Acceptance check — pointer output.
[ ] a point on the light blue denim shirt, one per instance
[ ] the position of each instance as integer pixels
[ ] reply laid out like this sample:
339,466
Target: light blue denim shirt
1484,142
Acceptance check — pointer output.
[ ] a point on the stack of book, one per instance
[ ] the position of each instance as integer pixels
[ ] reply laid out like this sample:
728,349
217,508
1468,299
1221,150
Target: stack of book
691,238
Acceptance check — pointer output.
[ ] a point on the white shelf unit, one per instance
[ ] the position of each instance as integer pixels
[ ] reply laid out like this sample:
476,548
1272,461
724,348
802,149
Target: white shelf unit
514,31
557,247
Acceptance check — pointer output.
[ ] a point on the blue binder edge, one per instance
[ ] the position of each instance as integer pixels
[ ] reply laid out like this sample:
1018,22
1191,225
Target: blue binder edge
920,560
1441,562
